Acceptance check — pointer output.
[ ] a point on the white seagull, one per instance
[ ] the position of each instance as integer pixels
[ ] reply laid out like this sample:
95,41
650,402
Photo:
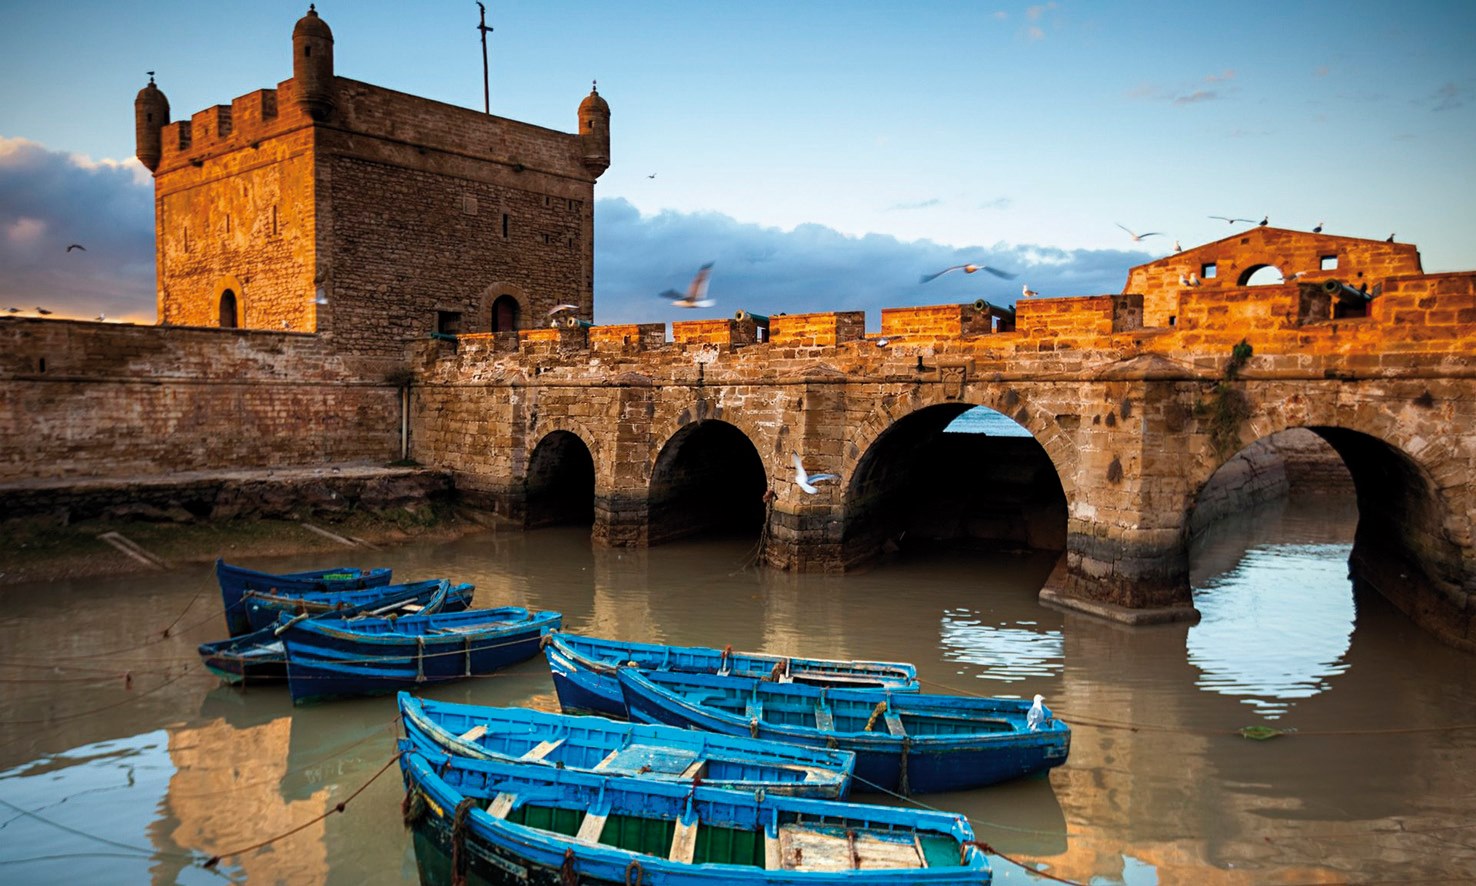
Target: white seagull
1183,281
696,296
1038,714
1138,237
807,481
969,269
1232,220
1177,247
559,309
1318,229
1027,292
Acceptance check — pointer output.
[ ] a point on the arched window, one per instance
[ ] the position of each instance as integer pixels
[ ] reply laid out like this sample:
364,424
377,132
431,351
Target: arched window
228,310
505,314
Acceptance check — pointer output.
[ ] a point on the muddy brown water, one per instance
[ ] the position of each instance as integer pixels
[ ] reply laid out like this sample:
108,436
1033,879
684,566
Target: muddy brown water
141,778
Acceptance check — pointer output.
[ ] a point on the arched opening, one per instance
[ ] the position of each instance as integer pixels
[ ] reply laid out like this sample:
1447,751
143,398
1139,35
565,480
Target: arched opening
1260,275
561,480
954,476
228,310
708,480
505,313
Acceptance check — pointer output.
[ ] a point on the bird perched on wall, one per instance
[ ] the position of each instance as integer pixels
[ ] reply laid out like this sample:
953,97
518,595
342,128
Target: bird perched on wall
805,480
1038,714
76,246
559,309
969,269
1390,239
1027,292
1177,247
1232,221
1183,281
1264,220
1318,228
696,296
1193,279
1138,238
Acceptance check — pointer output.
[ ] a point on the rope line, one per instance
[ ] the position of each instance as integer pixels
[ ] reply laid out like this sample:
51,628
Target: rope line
990,850
337,807
146,852
133,696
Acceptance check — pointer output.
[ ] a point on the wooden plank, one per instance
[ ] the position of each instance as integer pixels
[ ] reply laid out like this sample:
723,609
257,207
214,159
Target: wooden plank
542,749
894,724
695,769
773,853
474,733
502,804
609,758
591,828
684,842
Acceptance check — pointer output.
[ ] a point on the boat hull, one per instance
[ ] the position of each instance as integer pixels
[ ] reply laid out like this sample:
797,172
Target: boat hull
235,581
264,608
334,658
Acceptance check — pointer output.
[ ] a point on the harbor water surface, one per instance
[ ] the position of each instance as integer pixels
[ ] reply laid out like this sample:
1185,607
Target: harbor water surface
122,760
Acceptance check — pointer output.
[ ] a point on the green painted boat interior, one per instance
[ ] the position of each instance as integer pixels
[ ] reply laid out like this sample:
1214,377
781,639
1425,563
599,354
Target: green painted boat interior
649,836
719,845
547,818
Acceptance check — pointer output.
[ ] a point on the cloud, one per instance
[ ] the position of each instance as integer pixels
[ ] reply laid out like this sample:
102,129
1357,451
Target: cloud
1199,95
49,200
813,267
997,203
1227,74
919,204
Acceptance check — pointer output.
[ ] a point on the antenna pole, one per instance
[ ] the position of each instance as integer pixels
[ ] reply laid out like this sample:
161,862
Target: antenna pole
486,88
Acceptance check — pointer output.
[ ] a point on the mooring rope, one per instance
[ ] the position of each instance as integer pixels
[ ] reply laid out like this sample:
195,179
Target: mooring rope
337,807
990,850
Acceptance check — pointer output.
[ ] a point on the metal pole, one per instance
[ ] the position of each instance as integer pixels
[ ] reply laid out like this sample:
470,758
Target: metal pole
486,88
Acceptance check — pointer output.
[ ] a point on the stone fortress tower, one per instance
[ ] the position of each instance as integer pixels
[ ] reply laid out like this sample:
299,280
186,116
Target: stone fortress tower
374,217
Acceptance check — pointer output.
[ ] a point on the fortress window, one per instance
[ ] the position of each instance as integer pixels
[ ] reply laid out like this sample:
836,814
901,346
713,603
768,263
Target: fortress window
1207,270
504,226
1329,263
274,220
448,322
227,310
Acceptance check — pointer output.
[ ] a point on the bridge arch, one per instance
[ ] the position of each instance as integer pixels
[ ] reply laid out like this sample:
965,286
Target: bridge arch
706,478
560,481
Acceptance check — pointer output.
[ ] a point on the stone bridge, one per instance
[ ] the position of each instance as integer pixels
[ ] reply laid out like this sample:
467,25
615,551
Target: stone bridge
650,440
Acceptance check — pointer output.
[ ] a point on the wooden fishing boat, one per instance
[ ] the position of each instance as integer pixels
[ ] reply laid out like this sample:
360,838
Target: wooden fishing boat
906,742
620,748
237,580
263,608
260,656
504,823
584,668
330,657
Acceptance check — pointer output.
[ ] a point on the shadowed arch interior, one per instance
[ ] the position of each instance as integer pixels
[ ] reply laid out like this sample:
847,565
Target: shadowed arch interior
561,480
708,479
918,485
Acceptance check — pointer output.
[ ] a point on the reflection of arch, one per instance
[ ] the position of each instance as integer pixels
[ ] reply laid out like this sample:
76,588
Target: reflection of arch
1260,275
708,477
1000,491
560,481
228,294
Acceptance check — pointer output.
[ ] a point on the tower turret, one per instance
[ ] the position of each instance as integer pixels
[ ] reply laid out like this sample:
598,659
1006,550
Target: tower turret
312,64
150,116
594,131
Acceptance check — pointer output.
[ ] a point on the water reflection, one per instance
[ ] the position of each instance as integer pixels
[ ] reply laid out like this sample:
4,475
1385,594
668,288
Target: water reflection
1005,653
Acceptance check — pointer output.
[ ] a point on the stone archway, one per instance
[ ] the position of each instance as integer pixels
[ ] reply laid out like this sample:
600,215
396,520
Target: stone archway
560,483
707,479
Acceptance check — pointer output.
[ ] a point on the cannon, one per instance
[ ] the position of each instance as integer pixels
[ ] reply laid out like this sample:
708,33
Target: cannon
1344,293
759,320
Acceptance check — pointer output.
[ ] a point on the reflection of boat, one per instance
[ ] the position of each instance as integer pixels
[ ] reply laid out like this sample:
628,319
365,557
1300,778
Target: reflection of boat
260,656
905,741
512,823
618,748
584,669
237,580
331,657
263,607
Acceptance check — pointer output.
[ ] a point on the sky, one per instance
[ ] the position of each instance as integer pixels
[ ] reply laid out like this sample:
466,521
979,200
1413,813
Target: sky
823,154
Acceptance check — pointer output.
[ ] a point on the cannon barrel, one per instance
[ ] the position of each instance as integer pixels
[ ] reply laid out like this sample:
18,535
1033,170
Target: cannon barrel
1345,293
759,320
576,323
985,307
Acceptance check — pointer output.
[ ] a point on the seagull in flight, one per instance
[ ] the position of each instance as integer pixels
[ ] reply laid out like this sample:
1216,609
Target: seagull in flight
696,296
969,269
652,175
807,481
42,311
12,310
1232,220
1027,292
102,317
1138,237
76,246
1038,714
559,309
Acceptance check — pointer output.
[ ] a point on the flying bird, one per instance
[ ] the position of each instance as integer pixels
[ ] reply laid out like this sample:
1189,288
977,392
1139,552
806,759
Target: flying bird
1038,714
652,175
883,342
42,311
1318,229
76,246
807,481
969,269
696,296
1231,220
102,317
1027,292
559,309
13,310
1138,237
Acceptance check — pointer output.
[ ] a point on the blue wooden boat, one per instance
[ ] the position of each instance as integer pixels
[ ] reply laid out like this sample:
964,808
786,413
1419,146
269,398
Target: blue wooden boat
907,742
237,580
485,821
260,656
614,747
584,668
331,657
263,608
